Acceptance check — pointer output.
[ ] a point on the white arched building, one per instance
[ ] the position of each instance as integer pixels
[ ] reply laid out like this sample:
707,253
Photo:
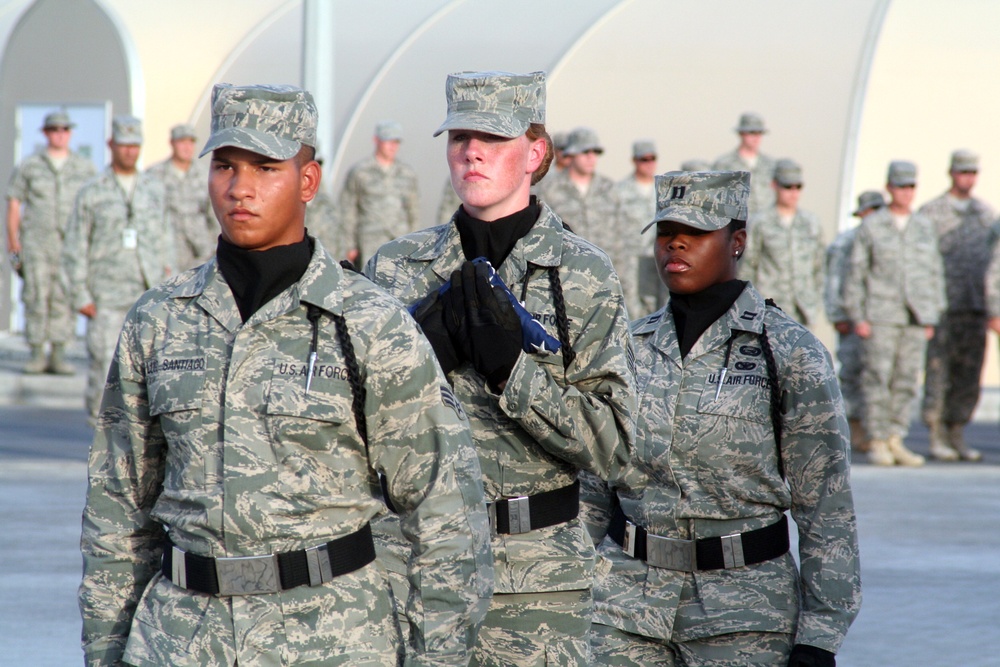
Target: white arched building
844,86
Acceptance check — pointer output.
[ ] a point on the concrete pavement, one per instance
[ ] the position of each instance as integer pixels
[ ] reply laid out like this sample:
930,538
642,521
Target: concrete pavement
929,538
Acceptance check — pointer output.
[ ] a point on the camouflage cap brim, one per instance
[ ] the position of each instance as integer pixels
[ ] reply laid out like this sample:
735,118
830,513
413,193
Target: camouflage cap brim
490,123
253,141
705,200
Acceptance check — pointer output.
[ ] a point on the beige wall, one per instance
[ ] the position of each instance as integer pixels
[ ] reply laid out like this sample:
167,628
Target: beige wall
679,72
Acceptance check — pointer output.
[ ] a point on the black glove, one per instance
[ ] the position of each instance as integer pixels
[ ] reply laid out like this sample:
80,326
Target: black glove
804,655
490,335
429,314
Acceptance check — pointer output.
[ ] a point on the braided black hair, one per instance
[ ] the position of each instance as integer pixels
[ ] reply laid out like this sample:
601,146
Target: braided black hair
562,322
775,391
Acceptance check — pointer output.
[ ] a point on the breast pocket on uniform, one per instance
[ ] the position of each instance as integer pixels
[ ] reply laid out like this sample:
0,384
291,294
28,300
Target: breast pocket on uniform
312,419
741,392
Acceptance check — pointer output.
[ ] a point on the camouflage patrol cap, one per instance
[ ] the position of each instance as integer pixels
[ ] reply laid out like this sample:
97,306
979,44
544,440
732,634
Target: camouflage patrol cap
902,173
57,119
499,103
271,120
581,140
695,165
389,130
559,140
787,172
705,200
751,122
642,148
869,199
126,130
182,131
963,160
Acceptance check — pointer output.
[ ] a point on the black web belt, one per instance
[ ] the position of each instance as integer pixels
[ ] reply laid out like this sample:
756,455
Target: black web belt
708,553
252,575
512,516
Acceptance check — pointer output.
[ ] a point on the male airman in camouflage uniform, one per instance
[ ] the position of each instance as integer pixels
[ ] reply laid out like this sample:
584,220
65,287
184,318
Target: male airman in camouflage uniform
538,417
747,157
187,208
232,473
640,281
784,255
838,256
585,200
118,245
894,294
379,201
46,184
967,232
697,568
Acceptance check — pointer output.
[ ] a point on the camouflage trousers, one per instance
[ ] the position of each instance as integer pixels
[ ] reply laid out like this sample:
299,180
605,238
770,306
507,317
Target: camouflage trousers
48,315
954,368
893,363
849,354
337,624
616,648
102,339
536,630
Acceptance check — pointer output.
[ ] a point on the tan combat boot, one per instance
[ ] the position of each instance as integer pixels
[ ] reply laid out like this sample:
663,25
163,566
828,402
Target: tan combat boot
903,456
956,439
940,449
879,454
57,361
859,439
37,362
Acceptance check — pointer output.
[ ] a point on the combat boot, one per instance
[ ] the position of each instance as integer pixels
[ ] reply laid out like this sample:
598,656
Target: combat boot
37,362
903,456
859,439
940,449
956,439
57,361
879,454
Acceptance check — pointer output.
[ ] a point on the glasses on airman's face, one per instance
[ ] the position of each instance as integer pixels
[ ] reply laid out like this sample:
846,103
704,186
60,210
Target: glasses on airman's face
646,158
794,186
57,129
591,151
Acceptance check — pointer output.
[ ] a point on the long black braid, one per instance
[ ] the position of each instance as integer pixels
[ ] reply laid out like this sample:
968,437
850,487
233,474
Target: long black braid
358,392
775,391
562,322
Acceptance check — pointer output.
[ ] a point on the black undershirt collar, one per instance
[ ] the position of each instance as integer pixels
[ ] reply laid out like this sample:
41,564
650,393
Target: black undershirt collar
257,276
694,313
494,240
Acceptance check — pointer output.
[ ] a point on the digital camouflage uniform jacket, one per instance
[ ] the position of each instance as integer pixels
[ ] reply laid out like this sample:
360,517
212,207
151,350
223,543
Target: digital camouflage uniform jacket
707,467
107,264
595,216
838,256
47,195
188,212
378,205
895,277
549,422
786,263
965,240
207,429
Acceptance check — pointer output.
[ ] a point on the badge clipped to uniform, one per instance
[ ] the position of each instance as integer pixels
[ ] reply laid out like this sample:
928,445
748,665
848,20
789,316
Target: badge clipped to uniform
130,238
